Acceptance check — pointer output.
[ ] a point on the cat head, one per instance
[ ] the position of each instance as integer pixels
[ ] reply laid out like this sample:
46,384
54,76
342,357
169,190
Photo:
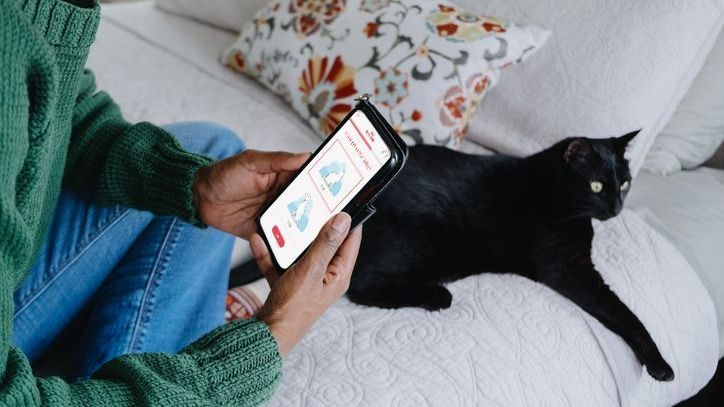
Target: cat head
597,177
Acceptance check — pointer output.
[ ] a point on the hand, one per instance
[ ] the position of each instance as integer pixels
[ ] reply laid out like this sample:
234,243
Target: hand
301,295
229,194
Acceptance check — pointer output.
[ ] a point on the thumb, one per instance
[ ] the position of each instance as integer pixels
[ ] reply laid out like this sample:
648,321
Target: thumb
325,246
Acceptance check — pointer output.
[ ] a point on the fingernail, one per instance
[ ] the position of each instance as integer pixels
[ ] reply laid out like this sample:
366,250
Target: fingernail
341,222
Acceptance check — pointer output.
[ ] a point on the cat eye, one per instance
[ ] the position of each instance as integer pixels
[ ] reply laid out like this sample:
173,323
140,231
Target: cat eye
624,186
596,186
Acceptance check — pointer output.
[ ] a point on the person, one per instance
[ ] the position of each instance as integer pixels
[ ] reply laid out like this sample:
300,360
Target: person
124,231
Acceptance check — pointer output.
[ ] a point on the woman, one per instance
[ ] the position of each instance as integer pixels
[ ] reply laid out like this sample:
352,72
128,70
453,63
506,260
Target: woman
143,282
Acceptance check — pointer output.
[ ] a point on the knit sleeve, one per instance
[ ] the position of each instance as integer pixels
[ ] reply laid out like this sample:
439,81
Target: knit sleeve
15,235
135,165
237,364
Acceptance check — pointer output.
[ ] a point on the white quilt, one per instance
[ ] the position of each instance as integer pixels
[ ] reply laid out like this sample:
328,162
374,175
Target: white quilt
505,341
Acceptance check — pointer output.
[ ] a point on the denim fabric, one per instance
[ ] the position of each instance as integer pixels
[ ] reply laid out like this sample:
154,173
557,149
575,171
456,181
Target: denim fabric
146,283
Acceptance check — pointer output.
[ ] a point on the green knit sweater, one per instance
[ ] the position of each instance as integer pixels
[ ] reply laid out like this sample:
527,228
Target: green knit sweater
55,129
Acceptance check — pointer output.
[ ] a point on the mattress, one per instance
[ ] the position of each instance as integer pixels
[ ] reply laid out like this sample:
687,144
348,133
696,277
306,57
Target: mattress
506,341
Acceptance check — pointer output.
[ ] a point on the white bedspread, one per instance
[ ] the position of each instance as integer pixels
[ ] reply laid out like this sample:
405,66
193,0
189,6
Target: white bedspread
508,341
505,341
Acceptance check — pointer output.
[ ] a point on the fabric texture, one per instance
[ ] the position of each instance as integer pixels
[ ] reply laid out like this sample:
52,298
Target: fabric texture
50,107
609,68
144,283
696,130
226,14
686,207
507,341
427,64
177,50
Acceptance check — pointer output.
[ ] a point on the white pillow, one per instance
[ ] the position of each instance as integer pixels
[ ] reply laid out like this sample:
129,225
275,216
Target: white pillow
696,130
226,14
609,67
425,63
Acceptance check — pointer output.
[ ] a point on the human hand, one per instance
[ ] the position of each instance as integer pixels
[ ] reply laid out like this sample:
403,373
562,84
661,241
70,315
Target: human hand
229,194
301,295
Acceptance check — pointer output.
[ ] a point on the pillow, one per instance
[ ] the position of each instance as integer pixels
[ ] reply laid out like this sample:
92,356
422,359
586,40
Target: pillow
611,67
425,63
696,130
226,14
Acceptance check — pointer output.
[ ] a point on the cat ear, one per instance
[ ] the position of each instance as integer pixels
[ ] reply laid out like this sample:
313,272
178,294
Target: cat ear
577,151
621,142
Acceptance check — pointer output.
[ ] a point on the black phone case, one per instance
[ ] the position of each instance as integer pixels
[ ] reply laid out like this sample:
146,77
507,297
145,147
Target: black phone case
360,208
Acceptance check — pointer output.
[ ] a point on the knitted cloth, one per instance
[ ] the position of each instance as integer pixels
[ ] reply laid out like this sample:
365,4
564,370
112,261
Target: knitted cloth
56,129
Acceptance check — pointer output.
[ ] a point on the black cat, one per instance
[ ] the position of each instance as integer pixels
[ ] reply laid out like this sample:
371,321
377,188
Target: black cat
451,215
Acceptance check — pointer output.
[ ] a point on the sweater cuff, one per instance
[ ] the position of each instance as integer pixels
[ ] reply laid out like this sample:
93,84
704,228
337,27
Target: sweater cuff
243,351
171,184
63,23
160,176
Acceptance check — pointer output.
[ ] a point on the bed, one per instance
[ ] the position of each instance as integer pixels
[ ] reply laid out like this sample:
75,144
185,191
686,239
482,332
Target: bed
506,340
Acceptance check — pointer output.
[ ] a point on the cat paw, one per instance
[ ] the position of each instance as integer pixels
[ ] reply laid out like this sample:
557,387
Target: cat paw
660,370
439,298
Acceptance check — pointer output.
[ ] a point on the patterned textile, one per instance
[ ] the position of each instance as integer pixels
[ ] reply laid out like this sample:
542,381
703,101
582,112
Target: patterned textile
427,64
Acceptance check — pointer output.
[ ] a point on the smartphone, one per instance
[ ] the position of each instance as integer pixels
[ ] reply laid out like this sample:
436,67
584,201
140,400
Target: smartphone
346,173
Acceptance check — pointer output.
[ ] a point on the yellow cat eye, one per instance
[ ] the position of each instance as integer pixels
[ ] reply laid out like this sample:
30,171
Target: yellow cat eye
596,186
624,186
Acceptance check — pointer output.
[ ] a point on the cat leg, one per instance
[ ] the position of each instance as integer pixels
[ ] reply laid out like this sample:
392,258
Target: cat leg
592,294
396,293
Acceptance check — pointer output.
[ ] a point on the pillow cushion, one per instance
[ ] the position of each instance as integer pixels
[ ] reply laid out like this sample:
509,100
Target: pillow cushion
696,130
226,14
426,63
611,67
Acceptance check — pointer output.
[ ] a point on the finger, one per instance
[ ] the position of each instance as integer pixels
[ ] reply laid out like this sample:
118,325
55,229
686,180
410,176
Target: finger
275,161
325,246
347,254
263,259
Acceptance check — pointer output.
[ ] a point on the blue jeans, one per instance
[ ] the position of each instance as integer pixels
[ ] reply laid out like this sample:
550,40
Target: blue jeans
144,283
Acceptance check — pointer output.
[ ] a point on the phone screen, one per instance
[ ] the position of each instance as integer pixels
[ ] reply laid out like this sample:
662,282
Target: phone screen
324,187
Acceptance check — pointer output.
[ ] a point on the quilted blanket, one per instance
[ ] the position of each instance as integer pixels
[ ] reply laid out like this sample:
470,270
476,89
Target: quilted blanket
507,341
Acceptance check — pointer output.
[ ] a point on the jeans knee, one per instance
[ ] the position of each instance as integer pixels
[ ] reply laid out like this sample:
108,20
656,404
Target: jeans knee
211,139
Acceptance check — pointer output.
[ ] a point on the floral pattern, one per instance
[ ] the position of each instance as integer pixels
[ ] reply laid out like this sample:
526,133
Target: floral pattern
426,63
371,30
391,87
237,61
326,89
454,25
309,15
371,6
459,104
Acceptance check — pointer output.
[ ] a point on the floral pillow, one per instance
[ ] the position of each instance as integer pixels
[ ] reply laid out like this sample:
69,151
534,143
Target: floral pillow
426,64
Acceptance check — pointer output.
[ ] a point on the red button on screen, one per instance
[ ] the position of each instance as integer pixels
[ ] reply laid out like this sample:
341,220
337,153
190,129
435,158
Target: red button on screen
278,235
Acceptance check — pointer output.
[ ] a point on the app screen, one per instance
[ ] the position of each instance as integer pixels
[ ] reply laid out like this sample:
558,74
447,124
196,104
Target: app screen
323,188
